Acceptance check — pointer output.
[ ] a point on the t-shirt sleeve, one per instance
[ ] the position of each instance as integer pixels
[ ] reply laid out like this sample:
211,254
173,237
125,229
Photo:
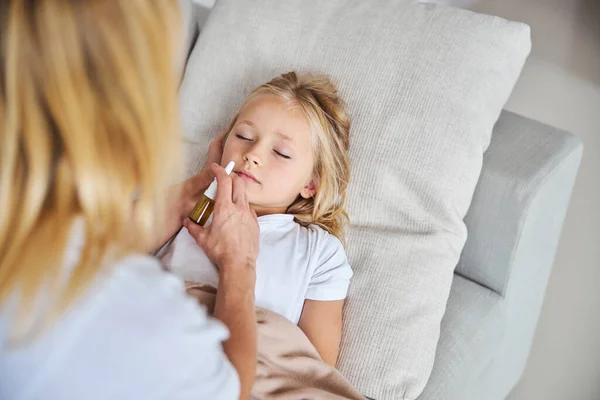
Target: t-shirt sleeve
142,337
331,277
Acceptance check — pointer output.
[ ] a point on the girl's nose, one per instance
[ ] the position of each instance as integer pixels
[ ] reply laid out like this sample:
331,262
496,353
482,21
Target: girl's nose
251,158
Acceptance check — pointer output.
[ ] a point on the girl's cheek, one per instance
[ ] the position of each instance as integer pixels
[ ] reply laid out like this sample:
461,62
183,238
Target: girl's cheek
283,175
231,149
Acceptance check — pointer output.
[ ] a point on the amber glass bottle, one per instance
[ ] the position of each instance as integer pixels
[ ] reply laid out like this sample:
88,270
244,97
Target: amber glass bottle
204,207
202,210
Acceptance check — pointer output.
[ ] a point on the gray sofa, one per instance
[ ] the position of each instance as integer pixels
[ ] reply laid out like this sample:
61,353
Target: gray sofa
514,225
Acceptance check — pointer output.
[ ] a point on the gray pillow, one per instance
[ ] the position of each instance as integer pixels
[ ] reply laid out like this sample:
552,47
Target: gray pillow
424,85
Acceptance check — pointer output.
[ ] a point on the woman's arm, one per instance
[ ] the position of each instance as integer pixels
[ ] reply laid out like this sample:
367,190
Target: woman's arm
231,242
321,321
235,308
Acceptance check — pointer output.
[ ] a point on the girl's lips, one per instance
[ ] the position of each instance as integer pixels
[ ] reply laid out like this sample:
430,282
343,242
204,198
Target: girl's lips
247,176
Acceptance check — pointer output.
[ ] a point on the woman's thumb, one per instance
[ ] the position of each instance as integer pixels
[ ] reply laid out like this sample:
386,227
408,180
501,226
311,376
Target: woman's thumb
195,230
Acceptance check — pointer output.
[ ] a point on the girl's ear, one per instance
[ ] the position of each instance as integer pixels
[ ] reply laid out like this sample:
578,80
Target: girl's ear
309,189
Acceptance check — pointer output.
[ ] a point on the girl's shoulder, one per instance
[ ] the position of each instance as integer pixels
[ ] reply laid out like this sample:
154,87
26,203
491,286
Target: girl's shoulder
323,234
324,243
331,273
281,228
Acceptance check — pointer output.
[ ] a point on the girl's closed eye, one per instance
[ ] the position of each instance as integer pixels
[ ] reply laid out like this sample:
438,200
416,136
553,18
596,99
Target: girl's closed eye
243,137
282,155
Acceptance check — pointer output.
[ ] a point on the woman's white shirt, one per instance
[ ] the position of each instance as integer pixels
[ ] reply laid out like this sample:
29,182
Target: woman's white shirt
134,334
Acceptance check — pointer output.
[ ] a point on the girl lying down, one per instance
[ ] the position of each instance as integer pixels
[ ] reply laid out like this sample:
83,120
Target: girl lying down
289,141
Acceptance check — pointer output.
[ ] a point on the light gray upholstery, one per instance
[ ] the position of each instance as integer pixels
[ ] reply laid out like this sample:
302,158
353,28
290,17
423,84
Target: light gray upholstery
514,224
473,326
193,17
189,31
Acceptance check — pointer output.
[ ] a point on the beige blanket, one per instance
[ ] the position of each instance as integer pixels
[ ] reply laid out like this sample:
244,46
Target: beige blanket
289,366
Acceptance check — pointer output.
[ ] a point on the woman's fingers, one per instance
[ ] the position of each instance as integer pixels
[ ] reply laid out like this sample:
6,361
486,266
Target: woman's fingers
215,149
239,191
196,231
224,184
221,135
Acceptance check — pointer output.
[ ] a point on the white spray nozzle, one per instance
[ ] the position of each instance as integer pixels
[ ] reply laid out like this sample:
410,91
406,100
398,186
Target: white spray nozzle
229,167
211,192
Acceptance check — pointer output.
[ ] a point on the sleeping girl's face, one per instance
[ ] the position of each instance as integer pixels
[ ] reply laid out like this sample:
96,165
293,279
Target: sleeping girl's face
271,146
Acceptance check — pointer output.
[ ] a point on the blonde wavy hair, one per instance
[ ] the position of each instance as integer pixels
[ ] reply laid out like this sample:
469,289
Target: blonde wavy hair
328,117
87,112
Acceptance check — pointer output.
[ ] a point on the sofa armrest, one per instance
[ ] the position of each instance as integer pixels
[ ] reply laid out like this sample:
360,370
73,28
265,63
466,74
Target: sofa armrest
517,211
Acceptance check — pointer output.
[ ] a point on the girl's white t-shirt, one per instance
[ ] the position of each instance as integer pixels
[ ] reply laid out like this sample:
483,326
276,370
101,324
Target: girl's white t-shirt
294,263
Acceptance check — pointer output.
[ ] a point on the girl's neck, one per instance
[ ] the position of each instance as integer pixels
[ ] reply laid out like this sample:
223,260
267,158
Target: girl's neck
260,211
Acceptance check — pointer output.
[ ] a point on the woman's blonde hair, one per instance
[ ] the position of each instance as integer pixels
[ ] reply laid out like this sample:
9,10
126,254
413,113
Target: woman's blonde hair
87,113
327,114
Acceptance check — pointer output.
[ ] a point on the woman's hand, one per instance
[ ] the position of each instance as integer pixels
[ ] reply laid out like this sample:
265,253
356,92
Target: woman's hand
182,197
232,237
215,150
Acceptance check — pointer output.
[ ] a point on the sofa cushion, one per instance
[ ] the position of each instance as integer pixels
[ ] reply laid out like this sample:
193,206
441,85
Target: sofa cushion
425,85
472,329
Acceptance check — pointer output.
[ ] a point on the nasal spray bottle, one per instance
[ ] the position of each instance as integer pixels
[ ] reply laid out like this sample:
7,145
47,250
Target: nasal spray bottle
204,207
202,211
